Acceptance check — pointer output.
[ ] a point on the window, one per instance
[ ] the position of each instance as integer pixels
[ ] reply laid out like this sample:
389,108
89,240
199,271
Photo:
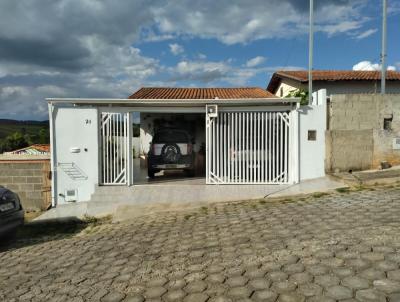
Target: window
281,92
387,123
171,136
312,135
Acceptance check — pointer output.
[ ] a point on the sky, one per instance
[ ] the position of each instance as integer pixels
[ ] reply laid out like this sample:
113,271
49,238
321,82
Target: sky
94,48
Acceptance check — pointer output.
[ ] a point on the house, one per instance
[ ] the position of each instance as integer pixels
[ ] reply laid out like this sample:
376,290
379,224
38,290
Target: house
334,81
248,137
26,171
35,149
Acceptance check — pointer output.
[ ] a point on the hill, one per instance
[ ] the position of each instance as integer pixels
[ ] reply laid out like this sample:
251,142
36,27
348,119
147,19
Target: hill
32,128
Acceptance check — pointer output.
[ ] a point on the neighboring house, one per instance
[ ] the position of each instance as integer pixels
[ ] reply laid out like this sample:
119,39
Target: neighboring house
334,81
26,171
250,137
35,149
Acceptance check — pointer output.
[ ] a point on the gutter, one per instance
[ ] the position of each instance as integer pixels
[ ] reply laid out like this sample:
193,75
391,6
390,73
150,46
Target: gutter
173,102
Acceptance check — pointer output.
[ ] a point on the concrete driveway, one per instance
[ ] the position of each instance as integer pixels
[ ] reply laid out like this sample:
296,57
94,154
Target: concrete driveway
338,247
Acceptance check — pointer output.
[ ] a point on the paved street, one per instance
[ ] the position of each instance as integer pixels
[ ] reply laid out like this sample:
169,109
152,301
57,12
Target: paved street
344,246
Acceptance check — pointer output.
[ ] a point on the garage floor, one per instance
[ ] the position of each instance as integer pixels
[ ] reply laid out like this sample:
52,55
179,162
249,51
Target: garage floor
168,177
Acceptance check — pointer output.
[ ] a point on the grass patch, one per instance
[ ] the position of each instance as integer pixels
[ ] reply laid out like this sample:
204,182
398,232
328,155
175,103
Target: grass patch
319,194
188,216
343,190
262,201
204,210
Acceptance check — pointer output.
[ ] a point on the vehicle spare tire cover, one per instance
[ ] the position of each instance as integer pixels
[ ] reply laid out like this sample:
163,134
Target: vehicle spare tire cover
171,153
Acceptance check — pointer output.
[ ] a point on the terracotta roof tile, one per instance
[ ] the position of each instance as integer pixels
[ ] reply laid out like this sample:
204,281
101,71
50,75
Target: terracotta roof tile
330,75
340,75
38,147
201,93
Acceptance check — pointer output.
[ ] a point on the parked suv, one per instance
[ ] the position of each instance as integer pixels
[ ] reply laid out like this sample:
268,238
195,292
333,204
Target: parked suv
171,149
11,213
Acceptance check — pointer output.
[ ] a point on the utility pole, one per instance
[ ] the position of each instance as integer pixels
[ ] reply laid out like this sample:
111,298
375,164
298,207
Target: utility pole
310,51
383,55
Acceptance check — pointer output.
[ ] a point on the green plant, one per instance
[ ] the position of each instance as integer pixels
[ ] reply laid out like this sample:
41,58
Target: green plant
299,93
343,190
319,194
188,216
14,141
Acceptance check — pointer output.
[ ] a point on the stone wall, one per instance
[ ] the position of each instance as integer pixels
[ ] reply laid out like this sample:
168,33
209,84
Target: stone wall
28,180
356,139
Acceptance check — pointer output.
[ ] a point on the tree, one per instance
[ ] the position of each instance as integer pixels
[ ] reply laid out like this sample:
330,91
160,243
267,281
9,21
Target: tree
299,93
44,136
13,142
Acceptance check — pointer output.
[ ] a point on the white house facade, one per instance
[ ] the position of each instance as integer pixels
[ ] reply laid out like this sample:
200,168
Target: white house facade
249,136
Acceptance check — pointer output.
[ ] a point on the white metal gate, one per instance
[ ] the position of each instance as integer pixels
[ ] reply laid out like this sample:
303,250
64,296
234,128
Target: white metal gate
248,148
114,148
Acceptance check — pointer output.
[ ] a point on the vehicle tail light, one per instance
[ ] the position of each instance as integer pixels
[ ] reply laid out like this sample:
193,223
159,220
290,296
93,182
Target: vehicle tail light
189,148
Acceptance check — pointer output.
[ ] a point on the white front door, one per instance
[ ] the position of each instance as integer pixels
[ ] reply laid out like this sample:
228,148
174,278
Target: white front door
114,145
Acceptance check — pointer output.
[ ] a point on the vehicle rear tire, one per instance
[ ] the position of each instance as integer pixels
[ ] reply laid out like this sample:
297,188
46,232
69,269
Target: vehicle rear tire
151,173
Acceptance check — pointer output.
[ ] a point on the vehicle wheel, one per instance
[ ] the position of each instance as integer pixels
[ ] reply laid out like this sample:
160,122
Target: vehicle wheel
190,173
150,173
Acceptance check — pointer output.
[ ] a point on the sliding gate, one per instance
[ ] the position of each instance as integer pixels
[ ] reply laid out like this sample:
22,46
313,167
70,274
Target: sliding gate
114,132
248,148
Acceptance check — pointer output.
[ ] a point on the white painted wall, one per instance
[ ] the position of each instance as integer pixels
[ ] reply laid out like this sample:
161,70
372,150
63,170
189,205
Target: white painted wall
338,87
76,128
312,153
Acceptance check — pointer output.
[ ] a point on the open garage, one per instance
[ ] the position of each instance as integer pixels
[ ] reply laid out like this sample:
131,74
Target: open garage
224,136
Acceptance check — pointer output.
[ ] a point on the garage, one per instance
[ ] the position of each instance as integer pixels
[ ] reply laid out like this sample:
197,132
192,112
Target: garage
213,136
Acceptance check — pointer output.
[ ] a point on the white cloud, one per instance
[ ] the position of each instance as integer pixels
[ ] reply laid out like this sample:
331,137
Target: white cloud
232,22
255,61
369,66
176,49
218,72
365,34
83,48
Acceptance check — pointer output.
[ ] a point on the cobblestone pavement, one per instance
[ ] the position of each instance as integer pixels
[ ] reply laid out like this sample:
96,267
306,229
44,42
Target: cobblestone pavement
342,247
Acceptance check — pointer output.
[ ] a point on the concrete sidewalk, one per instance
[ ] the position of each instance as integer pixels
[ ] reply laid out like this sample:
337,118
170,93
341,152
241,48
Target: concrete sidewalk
127,202
370,177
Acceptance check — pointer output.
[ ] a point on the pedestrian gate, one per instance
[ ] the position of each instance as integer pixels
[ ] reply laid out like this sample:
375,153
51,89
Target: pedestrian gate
247,147
114,148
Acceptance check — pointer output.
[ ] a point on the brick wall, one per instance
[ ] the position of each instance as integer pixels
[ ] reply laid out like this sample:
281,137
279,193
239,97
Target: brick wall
349,150
27,179
356,139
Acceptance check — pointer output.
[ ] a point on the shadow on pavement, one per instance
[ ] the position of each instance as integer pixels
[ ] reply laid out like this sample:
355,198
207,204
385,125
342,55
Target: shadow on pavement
35,232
